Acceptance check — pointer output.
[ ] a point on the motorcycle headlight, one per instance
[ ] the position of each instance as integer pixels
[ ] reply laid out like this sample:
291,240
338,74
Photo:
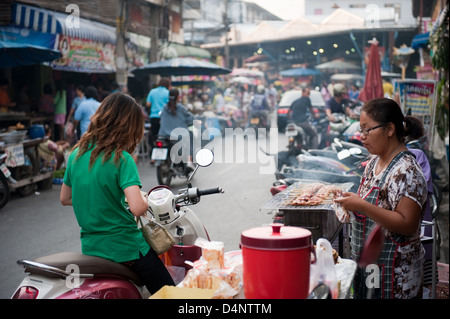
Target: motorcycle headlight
162,204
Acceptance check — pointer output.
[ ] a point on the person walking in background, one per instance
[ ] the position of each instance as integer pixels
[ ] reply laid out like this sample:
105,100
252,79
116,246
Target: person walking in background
5,101
100,177
353,93
76,103
174,116
46,102
388,89
60,110
86,109
156,99
299,114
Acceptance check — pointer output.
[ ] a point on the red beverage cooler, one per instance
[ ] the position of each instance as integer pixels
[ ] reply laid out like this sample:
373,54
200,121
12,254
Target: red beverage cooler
276,262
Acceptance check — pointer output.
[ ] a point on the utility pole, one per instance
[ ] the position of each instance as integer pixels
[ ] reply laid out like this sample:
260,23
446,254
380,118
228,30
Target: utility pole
226,24
121,62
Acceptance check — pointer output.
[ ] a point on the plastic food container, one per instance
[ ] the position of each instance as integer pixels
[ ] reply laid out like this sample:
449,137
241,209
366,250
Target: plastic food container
37,131
276,262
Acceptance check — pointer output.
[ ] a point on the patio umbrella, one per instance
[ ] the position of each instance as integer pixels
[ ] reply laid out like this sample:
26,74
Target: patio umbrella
241,80
247,73
338,65
181,66
300,72
21,54
373,86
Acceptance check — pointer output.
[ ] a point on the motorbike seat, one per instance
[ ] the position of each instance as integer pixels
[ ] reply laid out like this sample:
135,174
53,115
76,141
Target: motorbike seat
87,265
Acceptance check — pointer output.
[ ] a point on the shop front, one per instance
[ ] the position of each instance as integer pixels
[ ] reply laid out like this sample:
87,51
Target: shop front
85,56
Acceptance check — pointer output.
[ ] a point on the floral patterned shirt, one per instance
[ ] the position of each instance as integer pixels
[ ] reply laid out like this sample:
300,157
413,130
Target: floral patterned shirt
404,179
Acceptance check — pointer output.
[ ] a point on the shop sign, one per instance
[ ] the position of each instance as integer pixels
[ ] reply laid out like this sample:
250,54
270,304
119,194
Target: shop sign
418,98
15,155
82,55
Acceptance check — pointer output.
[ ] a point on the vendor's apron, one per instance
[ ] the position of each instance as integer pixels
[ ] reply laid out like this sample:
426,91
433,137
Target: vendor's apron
395,246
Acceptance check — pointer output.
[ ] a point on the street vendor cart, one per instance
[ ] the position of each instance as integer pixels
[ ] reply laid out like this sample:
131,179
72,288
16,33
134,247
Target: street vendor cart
320,219
23,162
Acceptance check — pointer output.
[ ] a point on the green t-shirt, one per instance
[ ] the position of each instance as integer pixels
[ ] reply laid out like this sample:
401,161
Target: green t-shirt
108,230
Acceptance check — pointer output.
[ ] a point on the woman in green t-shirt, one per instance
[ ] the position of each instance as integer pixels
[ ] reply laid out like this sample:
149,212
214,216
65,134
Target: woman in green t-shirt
100,175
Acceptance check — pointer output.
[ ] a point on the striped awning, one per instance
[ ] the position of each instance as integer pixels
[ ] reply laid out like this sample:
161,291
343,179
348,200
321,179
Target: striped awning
53,22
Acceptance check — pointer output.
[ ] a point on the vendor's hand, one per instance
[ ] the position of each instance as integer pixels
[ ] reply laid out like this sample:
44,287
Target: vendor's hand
350,201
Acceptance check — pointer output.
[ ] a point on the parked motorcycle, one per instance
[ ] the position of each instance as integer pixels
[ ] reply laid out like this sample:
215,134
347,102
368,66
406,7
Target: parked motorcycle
328,165
298,141
70,275
5,177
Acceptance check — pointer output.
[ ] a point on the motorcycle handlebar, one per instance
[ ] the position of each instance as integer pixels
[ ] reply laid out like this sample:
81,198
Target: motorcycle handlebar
210,191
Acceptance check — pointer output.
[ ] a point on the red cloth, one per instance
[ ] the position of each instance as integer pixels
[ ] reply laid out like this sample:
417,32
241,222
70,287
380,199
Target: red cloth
373,86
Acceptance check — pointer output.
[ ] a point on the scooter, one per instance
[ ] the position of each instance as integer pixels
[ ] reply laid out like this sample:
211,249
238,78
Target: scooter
70,275
166,169
298,141
259,119
173,213
5,177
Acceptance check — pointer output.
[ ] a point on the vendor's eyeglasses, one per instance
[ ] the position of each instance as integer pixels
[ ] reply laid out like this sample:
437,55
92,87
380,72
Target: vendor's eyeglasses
365,131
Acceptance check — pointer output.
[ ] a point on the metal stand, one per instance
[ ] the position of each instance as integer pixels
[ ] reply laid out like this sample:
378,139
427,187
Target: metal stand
432,240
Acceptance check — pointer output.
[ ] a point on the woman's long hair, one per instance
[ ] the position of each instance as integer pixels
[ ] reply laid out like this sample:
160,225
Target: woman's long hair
173,98
118,125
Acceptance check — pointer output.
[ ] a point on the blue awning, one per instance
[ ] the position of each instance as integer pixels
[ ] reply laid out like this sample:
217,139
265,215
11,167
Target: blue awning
420,40
13,54
46,21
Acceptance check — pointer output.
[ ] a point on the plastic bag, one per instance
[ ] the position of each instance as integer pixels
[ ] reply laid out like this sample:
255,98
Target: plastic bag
212,253
342,214
323,270
216,270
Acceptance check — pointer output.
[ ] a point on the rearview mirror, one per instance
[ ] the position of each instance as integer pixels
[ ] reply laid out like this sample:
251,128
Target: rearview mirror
204,157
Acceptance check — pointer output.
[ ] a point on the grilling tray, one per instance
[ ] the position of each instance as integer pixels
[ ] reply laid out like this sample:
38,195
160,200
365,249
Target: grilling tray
319,219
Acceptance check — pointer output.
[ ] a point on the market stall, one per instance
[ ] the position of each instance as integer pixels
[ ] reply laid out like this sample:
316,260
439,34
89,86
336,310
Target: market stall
320,219
23,161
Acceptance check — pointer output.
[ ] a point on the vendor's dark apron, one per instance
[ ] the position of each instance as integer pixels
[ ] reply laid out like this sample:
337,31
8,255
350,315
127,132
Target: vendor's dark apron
361,229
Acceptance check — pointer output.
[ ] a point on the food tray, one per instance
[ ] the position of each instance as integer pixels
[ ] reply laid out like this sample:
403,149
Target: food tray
319,219
283,200
13,137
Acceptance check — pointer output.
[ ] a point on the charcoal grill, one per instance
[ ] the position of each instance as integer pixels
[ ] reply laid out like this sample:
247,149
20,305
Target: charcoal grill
320,219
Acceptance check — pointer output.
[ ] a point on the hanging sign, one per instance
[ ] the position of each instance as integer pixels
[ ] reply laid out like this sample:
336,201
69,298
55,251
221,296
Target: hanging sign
81,55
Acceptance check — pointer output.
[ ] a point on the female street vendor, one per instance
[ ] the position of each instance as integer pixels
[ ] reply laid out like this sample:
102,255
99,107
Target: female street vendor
392,194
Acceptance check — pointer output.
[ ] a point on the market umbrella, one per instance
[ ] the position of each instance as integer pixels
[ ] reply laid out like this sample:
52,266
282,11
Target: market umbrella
338,65
247,73
347,77
300,72
257,58
241,80
21,54
373,85
181,66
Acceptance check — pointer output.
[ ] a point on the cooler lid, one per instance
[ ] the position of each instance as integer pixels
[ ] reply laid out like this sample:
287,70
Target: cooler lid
276,236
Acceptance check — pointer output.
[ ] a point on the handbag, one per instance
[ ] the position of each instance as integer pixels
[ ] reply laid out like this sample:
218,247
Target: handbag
159,238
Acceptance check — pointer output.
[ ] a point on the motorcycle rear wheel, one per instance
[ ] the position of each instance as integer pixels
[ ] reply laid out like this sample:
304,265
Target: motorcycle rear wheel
163,174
